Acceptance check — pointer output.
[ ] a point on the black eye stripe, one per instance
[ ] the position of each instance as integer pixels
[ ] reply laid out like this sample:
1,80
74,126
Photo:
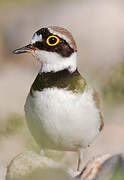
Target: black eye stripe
37,44
50,43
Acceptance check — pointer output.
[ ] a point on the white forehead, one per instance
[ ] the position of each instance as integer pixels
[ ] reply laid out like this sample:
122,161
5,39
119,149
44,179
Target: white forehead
60,35
36,38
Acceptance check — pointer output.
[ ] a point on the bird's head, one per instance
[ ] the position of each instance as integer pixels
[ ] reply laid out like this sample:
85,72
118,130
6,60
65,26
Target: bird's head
54,47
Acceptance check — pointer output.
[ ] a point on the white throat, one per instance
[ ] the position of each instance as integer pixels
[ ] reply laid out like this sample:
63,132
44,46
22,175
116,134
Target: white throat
51,61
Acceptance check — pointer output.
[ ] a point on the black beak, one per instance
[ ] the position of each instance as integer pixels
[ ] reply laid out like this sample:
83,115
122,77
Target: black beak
29,48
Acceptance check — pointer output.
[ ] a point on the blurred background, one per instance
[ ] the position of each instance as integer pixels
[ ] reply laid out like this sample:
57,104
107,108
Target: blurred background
98,27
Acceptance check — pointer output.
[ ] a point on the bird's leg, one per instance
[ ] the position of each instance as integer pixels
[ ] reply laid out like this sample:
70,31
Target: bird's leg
80,158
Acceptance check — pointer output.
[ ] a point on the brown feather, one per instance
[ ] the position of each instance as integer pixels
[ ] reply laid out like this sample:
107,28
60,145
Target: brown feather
97,101
67,34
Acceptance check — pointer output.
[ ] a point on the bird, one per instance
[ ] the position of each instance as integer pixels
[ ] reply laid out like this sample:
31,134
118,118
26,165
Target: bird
62,111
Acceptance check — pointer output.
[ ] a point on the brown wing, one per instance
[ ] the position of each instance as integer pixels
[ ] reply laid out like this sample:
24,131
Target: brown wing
97,101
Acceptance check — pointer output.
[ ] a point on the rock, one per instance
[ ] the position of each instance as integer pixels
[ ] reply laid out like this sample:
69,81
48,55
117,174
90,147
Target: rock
92,167
29,165
112,169
104,167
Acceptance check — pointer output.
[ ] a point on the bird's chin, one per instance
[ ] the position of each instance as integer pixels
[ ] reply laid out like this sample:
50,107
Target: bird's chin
37,56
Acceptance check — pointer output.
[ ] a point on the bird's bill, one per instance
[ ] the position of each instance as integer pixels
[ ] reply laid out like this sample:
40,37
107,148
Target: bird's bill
26,49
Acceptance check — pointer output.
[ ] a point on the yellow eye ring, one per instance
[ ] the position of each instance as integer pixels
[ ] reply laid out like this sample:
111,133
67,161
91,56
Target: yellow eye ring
52,44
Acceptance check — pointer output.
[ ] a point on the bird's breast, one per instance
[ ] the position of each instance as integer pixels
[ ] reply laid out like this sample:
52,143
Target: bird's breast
62,119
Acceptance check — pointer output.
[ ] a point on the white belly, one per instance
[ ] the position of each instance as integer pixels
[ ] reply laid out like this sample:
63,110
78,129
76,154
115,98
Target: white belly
62,120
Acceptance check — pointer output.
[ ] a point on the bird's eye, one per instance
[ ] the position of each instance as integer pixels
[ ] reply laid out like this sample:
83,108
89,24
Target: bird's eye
52,40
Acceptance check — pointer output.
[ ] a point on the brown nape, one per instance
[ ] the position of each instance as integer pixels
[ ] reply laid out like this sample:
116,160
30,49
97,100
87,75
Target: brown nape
97,101
67,34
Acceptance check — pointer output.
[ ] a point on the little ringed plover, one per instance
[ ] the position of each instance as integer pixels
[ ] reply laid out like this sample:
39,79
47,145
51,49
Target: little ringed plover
62,111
